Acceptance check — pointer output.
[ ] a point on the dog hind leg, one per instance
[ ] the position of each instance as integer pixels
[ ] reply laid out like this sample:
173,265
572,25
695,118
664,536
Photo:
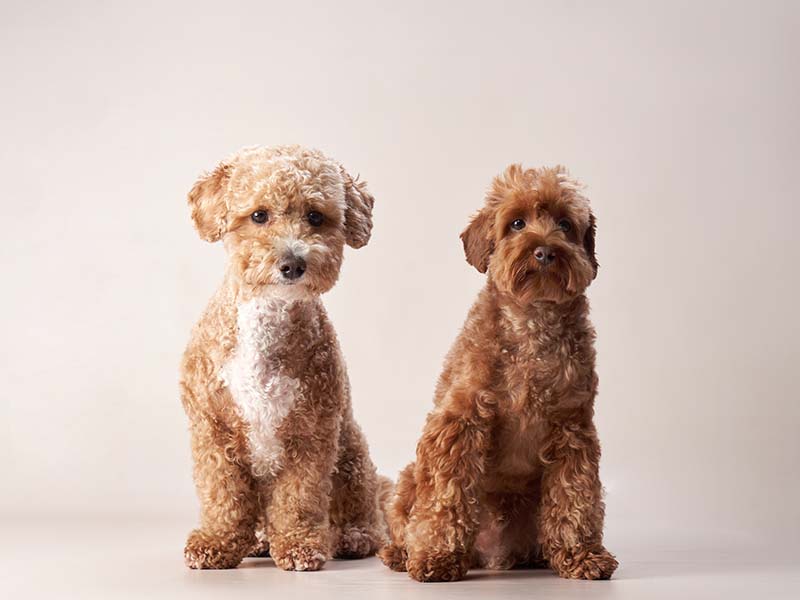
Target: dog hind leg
358,525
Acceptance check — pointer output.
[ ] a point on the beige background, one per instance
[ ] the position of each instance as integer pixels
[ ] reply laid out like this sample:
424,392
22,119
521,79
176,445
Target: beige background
682,118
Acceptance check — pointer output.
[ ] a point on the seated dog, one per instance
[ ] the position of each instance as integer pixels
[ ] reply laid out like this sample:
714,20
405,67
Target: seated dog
507,466
263,380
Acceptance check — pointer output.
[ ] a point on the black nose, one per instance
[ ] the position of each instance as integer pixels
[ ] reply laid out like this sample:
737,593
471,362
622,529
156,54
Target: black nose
292,267
544,255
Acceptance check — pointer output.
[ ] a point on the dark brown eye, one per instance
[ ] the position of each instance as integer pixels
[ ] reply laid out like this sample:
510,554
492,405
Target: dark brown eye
564,225
517,224
260,216
315,218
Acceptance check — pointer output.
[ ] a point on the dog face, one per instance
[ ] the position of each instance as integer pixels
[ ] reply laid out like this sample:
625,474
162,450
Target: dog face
284,214
535,236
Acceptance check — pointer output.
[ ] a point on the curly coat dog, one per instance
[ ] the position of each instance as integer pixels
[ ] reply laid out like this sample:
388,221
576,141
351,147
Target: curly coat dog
507,466
276,449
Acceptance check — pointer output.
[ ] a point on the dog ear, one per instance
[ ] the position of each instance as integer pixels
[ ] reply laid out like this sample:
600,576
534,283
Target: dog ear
477,239
357,212
208,206
588,242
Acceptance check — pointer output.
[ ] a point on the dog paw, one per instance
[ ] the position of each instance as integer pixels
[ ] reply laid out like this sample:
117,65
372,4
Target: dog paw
354,542
437,566
260,550
206,551
394,557
300,558
597,563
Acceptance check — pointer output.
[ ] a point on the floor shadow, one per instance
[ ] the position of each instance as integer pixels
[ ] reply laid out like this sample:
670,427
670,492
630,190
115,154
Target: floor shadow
654,569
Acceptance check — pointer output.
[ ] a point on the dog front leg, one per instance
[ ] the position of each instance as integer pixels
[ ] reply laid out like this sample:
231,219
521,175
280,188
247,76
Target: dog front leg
228,502
448,473
299,531
571,511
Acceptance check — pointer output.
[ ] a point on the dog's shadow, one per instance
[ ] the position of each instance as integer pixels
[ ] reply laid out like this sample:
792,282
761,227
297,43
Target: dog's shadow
523,572
629,570
257,562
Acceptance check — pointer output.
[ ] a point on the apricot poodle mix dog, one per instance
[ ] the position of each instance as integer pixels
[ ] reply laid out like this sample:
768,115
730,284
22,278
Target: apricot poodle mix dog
507,466
276,450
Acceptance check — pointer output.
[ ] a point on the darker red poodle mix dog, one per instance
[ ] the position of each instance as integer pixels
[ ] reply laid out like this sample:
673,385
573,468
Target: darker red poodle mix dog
507,466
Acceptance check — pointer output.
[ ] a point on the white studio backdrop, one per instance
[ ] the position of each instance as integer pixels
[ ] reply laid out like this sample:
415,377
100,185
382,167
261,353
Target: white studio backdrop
680,117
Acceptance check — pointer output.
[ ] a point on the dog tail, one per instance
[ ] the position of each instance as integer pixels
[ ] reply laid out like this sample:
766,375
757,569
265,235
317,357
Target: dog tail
385,493
384,503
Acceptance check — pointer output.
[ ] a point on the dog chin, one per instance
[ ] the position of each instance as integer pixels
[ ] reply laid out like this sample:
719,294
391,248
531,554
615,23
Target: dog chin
289,290
539,285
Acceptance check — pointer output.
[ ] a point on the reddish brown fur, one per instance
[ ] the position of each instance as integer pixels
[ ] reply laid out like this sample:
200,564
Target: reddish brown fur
323,500
507,466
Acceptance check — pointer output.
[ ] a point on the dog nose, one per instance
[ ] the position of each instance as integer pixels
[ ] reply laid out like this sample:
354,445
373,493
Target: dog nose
544,255
292,267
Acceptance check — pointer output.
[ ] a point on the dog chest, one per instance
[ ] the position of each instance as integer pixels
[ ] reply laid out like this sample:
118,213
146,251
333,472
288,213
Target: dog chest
514,457
255,374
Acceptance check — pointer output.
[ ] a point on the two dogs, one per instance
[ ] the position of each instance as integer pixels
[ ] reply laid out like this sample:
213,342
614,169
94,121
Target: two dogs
507,466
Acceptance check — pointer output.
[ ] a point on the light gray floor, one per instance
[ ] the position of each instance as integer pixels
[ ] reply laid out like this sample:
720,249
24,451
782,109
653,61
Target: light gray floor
137,559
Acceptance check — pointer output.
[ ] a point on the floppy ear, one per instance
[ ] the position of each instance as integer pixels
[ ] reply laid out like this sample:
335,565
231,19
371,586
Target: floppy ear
357,212
477,239
208,205
588,242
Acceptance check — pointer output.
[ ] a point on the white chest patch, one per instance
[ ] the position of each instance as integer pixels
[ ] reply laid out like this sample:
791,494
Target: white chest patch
263,394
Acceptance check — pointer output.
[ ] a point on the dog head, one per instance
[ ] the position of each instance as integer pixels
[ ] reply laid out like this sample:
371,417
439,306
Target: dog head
284,214
534,235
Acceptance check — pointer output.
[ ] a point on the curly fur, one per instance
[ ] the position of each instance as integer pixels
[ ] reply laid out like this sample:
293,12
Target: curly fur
280,465
507,465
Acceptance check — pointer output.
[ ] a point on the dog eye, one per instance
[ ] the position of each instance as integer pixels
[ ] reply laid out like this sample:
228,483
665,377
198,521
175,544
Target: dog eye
564,225
315,218
260,216
517,224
